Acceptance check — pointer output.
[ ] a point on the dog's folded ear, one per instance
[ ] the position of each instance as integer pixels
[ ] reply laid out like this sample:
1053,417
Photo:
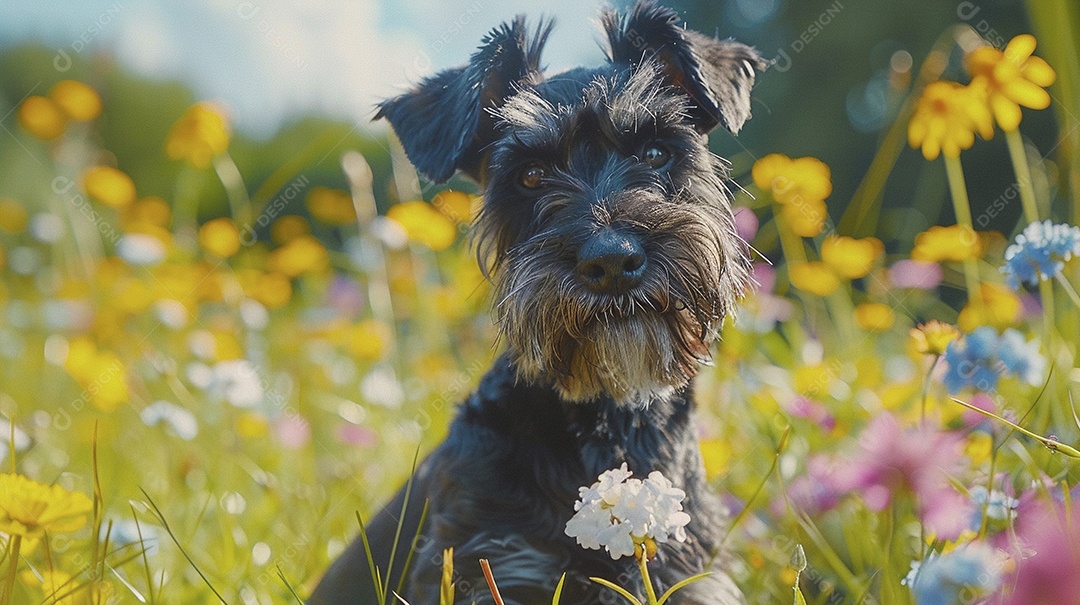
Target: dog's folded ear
445,122
716,74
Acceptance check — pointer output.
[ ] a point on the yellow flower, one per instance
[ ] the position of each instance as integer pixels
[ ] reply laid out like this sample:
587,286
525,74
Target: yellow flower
800,186
946,118
813,277
952,243
805,217
1012,78
302,255
42,117
29,508
101,374
933,337
813,381
874,316
979,447
331,206
56,585
849,257
80,102
13,216
366,340
288,228
788,179
716,454
149,211
456,205
252,425
424,224
199,135
272,290
220,237
109,186
999,307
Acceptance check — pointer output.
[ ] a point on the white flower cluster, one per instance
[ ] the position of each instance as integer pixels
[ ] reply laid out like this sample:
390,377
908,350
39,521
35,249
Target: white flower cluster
617,512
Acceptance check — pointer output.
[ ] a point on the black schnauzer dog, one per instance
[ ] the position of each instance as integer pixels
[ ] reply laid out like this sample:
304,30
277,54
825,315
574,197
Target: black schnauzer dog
608,233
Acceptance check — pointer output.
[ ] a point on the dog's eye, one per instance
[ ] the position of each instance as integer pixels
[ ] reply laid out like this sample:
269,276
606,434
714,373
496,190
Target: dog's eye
655,155
532,176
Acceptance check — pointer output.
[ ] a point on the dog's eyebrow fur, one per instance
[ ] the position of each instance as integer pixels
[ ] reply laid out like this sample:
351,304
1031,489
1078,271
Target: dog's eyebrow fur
628,107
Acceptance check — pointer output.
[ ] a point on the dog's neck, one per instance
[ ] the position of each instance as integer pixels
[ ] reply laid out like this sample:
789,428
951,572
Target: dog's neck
593,436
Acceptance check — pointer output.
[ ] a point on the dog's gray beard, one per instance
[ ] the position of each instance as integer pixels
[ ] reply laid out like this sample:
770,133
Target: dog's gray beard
634,348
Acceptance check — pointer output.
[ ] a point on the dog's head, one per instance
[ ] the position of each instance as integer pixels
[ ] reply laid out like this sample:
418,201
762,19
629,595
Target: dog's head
606,226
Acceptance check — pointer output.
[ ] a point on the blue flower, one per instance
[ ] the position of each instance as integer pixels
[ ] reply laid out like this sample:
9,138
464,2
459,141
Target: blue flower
1021,357
1040,252
979,359
1001,508
971,361
956,576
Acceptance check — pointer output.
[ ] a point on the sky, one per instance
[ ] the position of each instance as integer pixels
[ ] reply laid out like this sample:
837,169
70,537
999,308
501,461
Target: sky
269,60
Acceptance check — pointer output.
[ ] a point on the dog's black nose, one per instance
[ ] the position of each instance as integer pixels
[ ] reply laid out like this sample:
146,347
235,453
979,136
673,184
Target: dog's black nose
611,262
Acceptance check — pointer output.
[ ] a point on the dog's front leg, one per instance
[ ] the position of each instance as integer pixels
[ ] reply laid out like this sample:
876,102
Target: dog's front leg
525,573
349,579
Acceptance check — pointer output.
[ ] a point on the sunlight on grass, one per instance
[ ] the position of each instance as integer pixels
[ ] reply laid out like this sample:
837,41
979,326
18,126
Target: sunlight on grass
200,408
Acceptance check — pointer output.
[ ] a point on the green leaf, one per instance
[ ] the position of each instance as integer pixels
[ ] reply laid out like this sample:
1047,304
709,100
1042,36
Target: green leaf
678,585
558,590
619,589
798,561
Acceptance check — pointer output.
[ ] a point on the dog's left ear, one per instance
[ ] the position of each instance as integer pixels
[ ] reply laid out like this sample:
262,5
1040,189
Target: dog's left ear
716,74
445,122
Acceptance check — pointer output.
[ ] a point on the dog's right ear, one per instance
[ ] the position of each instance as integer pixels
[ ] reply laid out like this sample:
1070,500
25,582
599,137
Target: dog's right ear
445,123
717,75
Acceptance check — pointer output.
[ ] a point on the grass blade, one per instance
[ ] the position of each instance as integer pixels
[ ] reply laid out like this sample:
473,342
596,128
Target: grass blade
146,561
446,585
183,551
372,568
490,577
412,547
401,523
285,581
746,509
619,589
682,584
558,590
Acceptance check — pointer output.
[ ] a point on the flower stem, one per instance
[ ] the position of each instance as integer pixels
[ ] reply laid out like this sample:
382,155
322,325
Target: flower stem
1065,285
1018,155
790,243
926,389
643,565
1051,444
1023,174
13,566
229,175
962,207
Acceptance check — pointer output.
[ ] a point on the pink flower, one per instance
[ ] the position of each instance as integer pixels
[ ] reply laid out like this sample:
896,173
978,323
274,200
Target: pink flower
919,460
815,492
1048,566
915,274
746,223
765,276
361,436
802,407
293,432
982,401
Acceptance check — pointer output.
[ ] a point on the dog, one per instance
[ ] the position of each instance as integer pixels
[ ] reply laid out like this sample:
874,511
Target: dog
608,235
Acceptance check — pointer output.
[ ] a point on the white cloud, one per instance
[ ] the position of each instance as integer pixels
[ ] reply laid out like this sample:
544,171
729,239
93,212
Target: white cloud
268,60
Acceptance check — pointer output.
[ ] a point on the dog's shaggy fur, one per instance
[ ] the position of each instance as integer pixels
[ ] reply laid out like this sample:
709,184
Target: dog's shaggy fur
608,233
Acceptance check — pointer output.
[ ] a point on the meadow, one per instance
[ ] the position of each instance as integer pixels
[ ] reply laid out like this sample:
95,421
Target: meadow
195,409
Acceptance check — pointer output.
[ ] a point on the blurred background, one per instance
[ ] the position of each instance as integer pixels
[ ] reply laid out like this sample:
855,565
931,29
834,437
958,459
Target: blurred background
287,368
302,77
